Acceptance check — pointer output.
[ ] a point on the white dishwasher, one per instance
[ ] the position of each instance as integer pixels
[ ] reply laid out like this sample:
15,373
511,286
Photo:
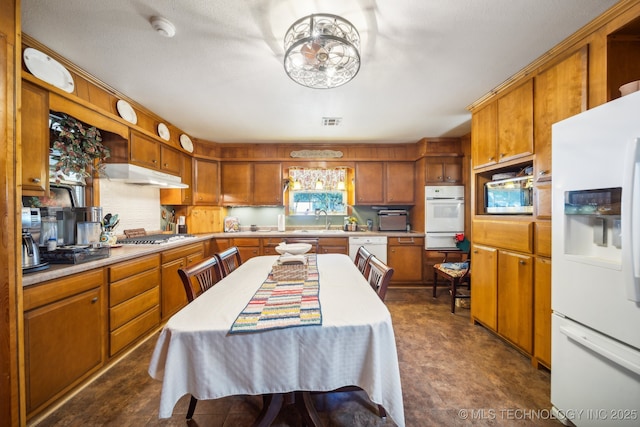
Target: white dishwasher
377,245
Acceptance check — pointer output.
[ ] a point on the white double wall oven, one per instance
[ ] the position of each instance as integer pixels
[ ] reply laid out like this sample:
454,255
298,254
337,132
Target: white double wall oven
444,216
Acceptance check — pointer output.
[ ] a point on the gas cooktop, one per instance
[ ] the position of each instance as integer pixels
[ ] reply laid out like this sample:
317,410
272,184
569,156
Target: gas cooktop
155,239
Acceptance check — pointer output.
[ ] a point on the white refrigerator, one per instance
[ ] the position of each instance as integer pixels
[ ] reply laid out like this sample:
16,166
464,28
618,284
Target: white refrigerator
595,298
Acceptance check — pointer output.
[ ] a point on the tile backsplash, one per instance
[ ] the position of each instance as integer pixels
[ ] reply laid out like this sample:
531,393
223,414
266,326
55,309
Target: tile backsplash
138,206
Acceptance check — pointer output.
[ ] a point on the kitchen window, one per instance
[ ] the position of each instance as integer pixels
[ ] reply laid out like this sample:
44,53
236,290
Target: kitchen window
312,189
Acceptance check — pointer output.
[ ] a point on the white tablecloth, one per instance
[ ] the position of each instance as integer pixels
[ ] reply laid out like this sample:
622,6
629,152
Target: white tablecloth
354,346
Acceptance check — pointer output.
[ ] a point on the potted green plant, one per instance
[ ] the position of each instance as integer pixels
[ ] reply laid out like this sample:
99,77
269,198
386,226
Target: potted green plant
76,147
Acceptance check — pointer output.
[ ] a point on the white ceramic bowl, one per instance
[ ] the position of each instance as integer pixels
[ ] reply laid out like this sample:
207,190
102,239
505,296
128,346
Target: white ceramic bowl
630,87
293,248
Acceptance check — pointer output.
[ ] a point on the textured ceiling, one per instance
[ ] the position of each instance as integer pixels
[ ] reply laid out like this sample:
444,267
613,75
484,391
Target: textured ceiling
221,77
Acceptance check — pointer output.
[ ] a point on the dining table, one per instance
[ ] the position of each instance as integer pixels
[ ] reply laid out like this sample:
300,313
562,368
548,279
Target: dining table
352,344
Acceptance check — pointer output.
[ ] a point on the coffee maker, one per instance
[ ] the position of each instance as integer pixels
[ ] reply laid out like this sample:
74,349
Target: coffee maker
31,224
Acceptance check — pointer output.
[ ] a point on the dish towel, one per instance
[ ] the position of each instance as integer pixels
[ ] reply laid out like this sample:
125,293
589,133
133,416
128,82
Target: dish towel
283,304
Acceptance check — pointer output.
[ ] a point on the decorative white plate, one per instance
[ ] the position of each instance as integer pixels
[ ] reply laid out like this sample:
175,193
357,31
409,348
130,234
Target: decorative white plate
293,248
163,131
48,69
126,111
186,143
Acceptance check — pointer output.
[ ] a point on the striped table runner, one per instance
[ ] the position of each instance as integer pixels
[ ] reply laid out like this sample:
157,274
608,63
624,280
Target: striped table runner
283,304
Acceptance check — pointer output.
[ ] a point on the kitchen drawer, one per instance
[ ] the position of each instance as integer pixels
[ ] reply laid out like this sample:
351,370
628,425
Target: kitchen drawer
246,241
127,269
408,240
542,238
130,309
514,235
124,289
133,330
55,290
181,252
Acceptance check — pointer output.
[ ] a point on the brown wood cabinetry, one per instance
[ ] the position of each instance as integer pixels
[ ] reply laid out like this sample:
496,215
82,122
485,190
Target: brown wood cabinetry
149,153
248,247
180,196
172,294
385,183
515,298
404,254
503,130
333,245
35,139
249,183
542,312
134,300
484,289
63,336
561,92
205,180
269,245
443,170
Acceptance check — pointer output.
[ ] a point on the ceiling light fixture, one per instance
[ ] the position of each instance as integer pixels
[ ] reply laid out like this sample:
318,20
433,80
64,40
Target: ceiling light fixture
321,51
163,26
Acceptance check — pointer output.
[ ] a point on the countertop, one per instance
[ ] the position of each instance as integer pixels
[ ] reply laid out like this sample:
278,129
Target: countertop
126,252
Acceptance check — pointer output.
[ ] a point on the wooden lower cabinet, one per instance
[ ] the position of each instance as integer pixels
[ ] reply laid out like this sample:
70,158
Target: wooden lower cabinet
172,294
333,245
404,255
63,336
542,312
248,247
134,300
515,298
484,285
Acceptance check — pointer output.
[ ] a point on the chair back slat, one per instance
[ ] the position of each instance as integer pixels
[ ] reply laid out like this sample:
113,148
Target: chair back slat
362,259
379,275
229,260
197,278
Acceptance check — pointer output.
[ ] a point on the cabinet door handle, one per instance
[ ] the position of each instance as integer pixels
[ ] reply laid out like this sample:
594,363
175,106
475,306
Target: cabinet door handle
501,155
475,251
154,161
542,173
522,262
405,241
36,180
491,158
94,300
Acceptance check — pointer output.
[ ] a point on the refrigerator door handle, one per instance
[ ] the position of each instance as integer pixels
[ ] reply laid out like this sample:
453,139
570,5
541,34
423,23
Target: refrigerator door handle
612,355
631,219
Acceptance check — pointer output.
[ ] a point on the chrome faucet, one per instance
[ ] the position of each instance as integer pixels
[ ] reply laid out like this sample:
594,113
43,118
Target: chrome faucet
327,223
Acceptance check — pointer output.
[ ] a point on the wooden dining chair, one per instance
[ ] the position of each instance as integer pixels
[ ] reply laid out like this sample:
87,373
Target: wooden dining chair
229,260
362,259
314,242
457,274
379,275
196,279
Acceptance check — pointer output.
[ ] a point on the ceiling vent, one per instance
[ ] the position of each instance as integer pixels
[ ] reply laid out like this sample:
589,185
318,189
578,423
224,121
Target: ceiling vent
331,121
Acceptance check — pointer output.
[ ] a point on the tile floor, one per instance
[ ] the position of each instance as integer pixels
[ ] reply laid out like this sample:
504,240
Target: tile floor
453,374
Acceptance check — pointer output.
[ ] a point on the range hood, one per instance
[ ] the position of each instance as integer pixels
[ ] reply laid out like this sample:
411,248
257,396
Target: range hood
137,175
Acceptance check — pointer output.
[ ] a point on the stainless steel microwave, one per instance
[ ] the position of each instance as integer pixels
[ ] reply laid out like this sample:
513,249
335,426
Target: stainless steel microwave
509,196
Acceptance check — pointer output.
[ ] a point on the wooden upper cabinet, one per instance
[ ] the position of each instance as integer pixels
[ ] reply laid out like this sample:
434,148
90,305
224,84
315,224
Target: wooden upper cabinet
561,92
35,139
205,182
369,182
267,184
483,136
515,123
181,196
248,183
144,151
170,160
400,183
385,183
236,183
443,170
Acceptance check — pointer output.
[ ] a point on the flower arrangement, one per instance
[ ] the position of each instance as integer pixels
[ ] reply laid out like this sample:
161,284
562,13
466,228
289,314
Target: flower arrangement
353,220
76,147
462,243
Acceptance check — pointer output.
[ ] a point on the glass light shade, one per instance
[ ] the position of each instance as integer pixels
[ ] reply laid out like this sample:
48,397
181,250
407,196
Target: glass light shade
321,51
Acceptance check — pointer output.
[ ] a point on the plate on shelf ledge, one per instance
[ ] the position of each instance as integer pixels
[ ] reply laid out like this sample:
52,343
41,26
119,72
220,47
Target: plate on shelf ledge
186,143
48,69
126,111
163,131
